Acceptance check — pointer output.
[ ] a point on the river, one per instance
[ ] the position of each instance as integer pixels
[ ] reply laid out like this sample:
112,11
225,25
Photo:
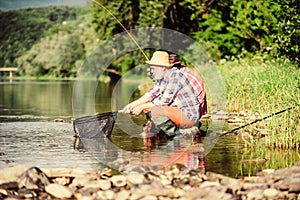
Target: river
36,130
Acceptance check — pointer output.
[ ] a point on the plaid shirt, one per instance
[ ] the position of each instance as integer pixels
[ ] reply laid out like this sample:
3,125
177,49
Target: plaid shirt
198,86
176,90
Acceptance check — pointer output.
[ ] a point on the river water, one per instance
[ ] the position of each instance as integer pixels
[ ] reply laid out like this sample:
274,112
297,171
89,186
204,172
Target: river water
31,135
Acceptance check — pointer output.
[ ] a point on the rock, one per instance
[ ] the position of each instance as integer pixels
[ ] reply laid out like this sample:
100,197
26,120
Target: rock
255,194
118,180
26,194
266,172
33,178
149,197
98,184
58,191
270,193
252,186
217,193
62,180
108,194
196,194
295,188
171,182
209,184
135,178
290,183
65,172
122,195
9,185
11,174
232,183
165,180
3,192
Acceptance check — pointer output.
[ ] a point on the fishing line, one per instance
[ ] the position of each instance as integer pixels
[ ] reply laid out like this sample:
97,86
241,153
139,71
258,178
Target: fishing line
129,34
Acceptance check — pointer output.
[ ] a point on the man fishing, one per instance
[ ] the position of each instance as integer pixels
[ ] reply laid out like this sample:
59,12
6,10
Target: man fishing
195,81
172,103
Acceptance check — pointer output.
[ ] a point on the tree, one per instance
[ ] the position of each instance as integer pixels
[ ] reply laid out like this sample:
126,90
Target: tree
254,21
288,35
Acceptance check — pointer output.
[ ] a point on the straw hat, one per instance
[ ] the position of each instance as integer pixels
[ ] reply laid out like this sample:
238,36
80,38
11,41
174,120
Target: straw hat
160,58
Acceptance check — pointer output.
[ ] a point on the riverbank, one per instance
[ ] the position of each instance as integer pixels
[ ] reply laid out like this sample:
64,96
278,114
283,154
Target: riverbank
171,182
262,87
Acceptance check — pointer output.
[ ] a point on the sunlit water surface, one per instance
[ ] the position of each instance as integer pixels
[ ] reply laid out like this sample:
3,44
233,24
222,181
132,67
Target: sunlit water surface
29,136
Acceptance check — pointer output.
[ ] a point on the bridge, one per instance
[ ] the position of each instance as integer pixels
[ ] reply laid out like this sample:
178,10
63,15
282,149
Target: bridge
10,70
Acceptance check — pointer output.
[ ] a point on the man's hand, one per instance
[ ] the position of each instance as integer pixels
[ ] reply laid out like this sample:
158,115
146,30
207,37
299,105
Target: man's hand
138,109
127,109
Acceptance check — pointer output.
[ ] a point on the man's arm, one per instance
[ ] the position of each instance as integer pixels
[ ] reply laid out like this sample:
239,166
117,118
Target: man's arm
130,107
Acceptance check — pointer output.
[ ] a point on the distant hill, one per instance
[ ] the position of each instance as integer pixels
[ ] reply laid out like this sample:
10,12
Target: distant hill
22,29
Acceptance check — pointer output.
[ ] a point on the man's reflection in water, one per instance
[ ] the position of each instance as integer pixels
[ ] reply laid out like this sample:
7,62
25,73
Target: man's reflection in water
158,150
192,156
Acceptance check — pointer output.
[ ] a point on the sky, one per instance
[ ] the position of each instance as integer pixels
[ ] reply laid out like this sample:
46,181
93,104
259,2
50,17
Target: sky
6,5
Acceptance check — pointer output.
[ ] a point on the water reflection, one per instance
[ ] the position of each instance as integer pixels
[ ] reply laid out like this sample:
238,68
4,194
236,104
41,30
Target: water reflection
47,99
150,151
29,136
41,144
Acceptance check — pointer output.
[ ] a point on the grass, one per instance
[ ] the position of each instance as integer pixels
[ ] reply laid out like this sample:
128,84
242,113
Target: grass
263,87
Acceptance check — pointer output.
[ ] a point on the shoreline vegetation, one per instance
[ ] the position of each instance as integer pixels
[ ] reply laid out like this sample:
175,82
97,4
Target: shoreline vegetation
262,87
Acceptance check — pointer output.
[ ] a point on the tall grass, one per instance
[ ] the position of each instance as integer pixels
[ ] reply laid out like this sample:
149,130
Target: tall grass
263,87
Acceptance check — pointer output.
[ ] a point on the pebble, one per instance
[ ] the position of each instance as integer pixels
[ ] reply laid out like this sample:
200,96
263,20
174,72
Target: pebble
270,193
209,184
58,191
156,183
118,180
255,194
135,178
98,184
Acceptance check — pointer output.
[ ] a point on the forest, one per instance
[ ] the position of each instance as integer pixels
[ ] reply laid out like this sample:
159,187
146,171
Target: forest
254,45
55,41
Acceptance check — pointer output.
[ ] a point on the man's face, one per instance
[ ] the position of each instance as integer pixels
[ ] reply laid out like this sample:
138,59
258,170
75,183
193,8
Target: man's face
157,71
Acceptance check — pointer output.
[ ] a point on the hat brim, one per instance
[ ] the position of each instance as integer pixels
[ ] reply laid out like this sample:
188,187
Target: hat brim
159,65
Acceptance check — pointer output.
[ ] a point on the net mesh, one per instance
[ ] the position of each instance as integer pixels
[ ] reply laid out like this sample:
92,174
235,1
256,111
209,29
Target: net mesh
94,126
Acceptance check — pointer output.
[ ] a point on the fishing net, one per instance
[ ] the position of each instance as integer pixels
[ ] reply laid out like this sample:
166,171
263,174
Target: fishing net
94,126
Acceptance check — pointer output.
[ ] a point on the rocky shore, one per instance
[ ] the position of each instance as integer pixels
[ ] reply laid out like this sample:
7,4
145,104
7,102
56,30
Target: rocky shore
173,182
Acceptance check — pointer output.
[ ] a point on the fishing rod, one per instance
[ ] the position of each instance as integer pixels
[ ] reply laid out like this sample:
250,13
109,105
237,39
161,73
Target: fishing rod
129,34
253,122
